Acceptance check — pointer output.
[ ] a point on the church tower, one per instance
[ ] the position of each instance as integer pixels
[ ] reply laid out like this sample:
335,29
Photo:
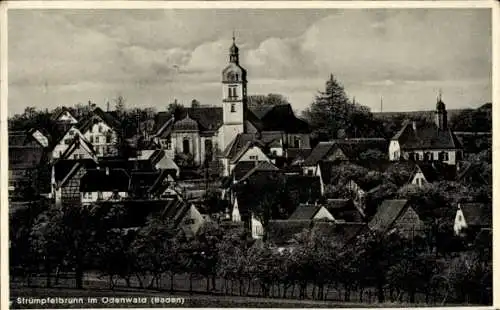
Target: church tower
234,97
441,115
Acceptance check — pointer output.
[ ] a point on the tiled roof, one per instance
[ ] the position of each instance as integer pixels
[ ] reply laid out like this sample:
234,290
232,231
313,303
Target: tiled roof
351,148
56,116
286,232
240,145
242,168
108,180
387,213
318,153
106,117
163,122
208,118
305,212
477,214
428,136
436,172
63,167
280,118
340,233
344,210
261,166
175,210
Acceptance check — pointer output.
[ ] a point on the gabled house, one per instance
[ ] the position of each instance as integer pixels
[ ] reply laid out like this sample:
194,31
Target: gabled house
241,211
344,210
430,142
66,179
104,185
311,212
471,218
425,173
27,158
184,216
103,131
67,139
150,184
397,216
155,160
64,116
243,148
359,188
342,150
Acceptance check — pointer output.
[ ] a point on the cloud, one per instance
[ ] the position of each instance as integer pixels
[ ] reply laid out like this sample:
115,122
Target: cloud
56,56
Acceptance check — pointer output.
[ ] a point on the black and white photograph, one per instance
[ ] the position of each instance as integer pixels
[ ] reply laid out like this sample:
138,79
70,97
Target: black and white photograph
227,157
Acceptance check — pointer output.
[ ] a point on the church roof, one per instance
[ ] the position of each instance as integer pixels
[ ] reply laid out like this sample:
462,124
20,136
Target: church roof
428,136
186,124
279,118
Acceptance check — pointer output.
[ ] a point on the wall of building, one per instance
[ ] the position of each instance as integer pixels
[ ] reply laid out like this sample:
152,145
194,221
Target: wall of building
98,134
92,197
394,150
323,214
452,155
65,142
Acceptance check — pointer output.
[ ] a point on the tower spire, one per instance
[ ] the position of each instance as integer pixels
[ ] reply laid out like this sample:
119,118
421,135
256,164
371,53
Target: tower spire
440,95
233,51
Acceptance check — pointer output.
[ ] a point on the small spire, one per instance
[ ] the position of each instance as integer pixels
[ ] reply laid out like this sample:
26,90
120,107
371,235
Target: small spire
440,95
234,37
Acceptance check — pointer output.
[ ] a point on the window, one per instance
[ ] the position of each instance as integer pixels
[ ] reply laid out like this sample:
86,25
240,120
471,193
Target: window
232,92
417,156
296,142
189,221
168,143
100,128
233,107
428,156
99,195
443,156
254,157
91,139
185,146
75,156
108,139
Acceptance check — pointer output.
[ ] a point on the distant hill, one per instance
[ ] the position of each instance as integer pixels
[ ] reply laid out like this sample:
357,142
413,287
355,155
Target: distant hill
426,114
415,114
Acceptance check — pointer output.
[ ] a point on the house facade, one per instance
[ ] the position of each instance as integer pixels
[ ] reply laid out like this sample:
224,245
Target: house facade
429,143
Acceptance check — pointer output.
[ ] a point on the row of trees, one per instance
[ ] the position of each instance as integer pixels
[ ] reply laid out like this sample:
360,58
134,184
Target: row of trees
83,240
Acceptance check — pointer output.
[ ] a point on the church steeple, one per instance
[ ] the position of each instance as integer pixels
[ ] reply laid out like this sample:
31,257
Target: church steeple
441,115
234,52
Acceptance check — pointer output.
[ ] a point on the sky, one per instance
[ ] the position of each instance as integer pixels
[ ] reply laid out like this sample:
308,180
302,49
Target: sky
151,57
